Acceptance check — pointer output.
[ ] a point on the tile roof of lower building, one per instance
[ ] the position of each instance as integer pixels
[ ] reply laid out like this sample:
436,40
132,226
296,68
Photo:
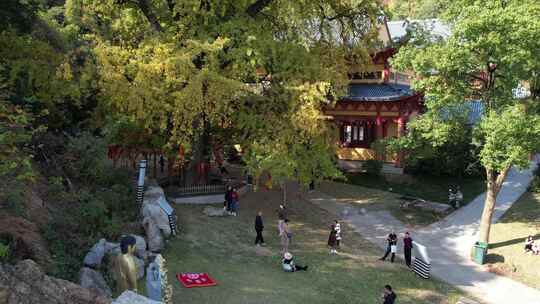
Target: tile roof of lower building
377,92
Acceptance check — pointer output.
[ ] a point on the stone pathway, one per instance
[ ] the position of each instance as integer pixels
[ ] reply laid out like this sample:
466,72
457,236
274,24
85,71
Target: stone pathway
449,241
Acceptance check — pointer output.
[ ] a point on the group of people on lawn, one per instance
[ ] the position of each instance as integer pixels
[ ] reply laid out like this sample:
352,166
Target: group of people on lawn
532,246
287,262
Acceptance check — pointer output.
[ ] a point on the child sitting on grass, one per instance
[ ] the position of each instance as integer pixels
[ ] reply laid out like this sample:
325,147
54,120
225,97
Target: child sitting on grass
288,264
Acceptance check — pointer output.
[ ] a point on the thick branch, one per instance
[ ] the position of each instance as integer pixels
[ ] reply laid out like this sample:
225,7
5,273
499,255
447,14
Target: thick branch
254,9
144,5
500,178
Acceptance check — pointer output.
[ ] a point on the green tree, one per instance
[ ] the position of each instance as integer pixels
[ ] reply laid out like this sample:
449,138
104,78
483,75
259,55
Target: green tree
416,9
254,72
493,48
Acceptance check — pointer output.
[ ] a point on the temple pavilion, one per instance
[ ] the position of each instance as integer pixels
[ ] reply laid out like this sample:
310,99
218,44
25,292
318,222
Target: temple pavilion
378,105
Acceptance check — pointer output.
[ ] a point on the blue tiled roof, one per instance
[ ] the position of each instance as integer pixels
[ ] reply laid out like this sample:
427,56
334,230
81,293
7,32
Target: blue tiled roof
474,109
377,92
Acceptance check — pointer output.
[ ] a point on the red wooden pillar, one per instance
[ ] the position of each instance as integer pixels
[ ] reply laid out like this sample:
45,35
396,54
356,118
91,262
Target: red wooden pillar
379,134
400,132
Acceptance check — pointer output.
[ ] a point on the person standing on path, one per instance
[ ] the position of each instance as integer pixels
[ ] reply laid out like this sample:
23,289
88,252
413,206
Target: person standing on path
389,297
407,248
332,241
259,229
391,247
285,236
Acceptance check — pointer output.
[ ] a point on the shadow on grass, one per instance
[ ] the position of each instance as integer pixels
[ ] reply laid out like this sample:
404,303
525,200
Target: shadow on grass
493,258
512,241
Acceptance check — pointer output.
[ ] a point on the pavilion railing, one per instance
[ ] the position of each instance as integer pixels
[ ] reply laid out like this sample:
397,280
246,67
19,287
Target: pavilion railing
199,190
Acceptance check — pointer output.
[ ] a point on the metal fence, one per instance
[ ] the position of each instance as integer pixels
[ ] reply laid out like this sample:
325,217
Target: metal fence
199,189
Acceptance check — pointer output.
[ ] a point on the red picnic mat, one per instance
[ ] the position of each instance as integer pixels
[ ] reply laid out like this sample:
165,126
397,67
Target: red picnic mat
190,279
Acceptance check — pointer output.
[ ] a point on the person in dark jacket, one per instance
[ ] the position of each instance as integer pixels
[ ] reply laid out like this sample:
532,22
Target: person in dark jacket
332,239
389,297
390,248
407,248
259,229
228,199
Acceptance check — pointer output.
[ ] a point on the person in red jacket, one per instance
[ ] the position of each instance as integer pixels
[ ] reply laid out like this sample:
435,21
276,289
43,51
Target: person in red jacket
234,197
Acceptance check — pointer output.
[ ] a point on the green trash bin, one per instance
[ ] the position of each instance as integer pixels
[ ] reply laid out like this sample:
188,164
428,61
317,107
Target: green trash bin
480,252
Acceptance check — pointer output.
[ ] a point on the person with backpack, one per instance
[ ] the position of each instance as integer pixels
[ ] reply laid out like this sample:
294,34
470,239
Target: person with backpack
391,247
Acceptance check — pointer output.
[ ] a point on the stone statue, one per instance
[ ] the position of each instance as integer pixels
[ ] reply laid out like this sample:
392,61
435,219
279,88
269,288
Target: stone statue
125,267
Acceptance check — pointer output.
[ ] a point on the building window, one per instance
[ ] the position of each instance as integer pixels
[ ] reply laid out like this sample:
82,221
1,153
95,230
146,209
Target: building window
354,135
347,134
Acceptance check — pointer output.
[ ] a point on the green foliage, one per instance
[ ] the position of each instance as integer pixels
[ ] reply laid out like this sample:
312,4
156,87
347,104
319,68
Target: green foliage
417,9
493,48
487,55
102,204
509,136
4,252
373,167
189,75
90,153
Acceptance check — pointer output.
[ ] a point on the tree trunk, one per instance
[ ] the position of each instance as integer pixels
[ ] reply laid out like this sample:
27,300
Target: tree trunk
494,183
284,187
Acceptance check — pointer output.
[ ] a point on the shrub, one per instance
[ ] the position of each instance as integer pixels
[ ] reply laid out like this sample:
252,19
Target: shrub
4,252
535,183
373,167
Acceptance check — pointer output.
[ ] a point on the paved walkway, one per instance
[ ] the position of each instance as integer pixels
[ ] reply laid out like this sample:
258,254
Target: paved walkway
449,241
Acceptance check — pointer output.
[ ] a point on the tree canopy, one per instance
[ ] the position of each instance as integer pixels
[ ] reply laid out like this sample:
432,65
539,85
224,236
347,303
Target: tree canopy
256,73
493,49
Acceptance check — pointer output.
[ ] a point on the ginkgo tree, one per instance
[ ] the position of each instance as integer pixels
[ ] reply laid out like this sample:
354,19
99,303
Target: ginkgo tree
493,49
252,72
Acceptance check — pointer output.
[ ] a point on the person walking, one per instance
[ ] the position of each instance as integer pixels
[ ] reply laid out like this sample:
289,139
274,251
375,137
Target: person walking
407,248
332,241
391,247
259,226
282,215
389,297
285,235
338,233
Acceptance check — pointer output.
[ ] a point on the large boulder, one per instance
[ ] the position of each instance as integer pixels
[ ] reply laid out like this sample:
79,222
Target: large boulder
93,280
153,235
130,297
25,283
140,247
26,240
140,267
94,257
152,209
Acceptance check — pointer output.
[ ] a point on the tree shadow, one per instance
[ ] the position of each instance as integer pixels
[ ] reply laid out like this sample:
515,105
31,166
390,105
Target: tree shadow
512,241
493,258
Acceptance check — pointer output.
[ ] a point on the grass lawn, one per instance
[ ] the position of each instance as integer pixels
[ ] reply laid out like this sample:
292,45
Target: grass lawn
432,188
224,248
506,255
374,200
